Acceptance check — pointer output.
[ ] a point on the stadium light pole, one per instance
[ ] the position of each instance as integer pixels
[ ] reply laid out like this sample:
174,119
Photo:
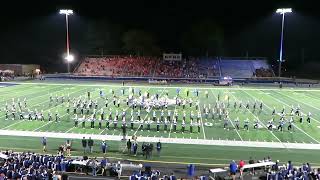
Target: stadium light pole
69,57
282,11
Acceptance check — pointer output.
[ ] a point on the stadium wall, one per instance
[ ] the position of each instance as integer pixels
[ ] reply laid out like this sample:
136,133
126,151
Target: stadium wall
183,80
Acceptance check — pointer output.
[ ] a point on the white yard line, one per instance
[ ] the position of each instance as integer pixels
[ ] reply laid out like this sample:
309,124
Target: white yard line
49,122
69,129
19,121
293,123
229,120
202,126
144,117
35,105
261,122
302,103
171,124
164,140
60,117
24,95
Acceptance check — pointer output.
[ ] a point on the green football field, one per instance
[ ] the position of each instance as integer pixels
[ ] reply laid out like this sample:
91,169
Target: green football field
189,147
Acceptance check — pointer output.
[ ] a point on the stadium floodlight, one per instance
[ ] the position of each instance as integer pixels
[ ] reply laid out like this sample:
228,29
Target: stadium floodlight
66,11
69,57
282,11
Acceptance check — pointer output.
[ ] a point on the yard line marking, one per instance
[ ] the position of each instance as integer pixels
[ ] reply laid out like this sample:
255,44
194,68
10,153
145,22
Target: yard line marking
63,114
303,103
13,124
293,123
49,122
202,126
262,123
43,111
229,120
69,129
56,107
146,114
35,105
28,94
23,89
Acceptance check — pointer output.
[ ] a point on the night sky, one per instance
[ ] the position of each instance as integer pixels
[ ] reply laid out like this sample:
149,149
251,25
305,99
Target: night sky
34,32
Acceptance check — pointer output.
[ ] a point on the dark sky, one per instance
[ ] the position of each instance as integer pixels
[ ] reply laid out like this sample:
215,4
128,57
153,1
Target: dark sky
33,31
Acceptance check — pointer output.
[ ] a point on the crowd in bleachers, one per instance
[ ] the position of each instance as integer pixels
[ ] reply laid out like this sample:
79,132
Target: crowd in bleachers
263,72
129,66
288,171
31,166
277,171
6,76
117,66
169,69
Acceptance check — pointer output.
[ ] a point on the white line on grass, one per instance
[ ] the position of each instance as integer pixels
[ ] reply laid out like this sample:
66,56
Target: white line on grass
293,123
230,120
35,105
204,134
43,111
26,95
49,122
144,117
303,103
69,129
262,123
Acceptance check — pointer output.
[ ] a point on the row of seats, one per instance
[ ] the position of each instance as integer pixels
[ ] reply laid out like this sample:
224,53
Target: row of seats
125,66
128,66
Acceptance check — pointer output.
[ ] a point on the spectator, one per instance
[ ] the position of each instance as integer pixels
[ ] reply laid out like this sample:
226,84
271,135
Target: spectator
173,177
84,145
44,144
68,147
104,147
90,144
159,147
135,148
94,166
241,164
129,144
103,164
233,169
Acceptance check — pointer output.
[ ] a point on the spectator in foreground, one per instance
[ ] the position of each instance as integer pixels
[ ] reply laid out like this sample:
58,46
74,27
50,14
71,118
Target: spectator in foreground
241,164
233,169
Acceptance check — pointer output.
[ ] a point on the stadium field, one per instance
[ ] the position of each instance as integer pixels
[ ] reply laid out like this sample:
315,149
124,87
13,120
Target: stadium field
213,140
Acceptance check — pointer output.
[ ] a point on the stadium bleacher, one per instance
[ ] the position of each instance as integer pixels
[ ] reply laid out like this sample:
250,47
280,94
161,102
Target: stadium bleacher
137,66
236,68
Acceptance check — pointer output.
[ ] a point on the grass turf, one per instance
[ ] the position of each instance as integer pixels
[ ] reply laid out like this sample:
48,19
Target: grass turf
38,98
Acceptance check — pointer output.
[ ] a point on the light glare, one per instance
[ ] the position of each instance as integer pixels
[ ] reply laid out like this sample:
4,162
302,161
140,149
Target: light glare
284,10
69,58
66,11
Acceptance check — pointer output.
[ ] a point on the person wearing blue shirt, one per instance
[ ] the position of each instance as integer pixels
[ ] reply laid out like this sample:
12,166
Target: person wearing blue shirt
103,164
233,169
104,147
172,177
